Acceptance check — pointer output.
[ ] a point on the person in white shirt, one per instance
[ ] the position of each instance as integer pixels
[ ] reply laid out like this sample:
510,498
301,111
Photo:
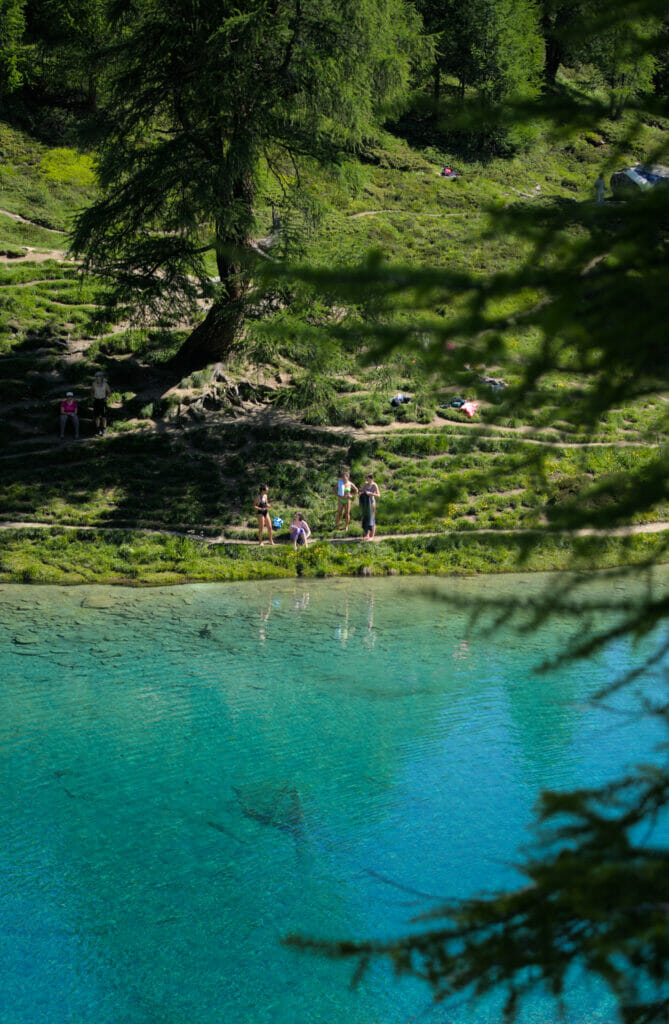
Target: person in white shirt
100,392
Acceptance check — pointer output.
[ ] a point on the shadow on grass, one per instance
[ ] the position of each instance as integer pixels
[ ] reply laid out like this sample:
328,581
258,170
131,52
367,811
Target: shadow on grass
201,480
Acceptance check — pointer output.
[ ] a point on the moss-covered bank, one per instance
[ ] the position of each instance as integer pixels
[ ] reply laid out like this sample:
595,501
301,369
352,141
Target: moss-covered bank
71,557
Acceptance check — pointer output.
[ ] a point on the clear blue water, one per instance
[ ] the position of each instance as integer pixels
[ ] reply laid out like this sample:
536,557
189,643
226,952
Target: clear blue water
189,774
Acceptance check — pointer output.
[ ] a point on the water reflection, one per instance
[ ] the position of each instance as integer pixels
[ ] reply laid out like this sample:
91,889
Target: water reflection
264,617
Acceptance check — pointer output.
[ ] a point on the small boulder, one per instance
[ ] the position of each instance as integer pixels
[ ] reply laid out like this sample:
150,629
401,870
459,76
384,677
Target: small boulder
98,601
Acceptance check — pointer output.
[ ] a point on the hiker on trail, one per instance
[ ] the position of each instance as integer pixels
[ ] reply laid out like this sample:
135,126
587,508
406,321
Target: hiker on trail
368,495
100,392
299,531
69,410
345,491
262,507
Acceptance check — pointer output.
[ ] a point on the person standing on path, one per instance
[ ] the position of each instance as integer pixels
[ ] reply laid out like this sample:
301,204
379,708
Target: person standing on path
345,491
262,507
69,411
370,492
100,392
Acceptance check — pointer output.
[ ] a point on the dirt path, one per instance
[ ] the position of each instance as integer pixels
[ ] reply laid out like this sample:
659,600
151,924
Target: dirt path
29,284
39,256
268,418
271,418
33,223
617,531
415,213
406,213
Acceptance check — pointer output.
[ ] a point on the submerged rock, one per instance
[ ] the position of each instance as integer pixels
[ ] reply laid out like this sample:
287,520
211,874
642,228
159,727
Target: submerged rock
278,806
98,601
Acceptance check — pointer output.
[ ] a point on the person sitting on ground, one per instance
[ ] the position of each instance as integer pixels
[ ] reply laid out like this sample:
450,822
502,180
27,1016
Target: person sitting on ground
100,392
345,491
262,507
370,492
448,172
69,411
400,399
299,531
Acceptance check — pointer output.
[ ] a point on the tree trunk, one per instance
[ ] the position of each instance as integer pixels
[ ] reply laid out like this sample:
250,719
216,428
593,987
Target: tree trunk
92,93
554,27
553,60
213,339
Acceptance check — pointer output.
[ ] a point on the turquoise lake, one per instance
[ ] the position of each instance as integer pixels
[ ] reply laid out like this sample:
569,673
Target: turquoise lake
191,773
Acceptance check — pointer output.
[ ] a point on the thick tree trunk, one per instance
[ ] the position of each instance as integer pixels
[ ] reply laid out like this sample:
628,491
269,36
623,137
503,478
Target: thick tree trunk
92,93
553,60
213,339
554,26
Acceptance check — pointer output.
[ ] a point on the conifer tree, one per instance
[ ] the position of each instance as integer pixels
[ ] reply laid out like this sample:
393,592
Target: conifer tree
492,46
12,25
621,53
201,93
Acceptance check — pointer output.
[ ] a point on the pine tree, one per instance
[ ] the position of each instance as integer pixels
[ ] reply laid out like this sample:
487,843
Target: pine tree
12,25
202,93
492,46
622,55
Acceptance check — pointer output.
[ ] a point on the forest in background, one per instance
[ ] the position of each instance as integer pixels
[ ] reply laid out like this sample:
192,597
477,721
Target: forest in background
212,125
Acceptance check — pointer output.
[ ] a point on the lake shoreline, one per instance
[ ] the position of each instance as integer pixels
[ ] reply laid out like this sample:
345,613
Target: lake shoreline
142,559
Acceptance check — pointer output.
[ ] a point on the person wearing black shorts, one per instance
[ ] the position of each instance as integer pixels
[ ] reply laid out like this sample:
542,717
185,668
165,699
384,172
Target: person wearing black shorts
262,507
100,392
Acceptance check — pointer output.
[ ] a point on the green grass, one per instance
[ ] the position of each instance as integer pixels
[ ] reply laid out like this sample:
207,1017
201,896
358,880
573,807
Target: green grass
127,557
44,185
16,235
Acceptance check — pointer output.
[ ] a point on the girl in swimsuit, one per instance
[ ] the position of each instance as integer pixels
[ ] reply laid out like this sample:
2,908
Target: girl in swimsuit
262,507
299,531
345,491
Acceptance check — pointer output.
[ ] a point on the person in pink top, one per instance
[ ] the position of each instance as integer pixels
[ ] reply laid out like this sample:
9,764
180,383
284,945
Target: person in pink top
69,411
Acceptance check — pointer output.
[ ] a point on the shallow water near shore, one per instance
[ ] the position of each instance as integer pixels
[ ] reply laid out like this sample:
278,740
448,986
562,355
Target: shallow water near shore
191,773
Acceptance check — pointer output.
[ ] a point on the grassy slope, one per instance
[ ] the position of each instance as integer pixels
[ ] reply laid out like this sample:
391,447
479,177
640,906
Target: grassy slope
188,455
